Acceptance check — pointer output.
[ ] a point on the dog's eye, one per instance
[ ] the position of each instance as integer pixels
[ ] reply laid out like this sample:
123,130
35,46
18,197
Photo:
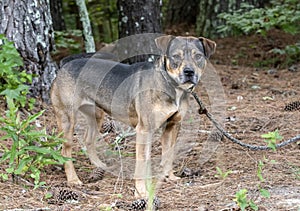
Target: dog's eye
176,57
198,56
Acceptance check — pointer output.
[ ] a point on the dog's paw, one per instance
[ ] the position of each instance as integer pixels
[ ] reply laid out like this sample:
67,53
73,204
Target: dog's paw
187,172
172,177
74,182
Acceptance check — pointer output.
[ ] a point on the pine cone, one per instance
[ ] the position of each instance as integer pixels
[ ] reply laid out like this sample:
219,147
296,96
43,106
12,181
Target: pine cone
65,195
61,195
139,204
96,175
108,127
123,205
292,106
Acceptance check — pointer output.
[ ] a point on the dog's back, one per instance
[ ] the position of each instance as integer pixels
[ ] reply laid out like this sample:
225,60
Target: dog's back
100,81
97,55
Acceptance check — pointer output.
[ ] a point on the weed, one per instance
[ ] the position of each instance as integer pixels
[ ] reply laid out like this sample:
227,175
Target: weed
241,196
292,53
295,170
242,200
64,39
271,138
284,15
259,170
30,150
13,81
222,174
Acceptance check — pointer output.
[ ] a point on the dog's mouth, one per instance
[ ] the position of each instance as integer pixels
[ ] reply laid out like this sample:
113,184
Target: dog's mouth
193,80
188,82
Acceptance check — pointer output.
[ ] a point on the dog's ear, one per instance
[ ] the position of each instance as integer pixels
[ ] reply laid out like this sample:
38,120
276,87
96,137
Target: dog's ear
162,42
209,46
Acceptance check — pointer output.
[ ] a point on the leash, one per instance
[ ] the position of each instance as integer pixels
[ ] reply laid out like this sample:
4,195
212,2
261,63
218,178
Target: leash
203,110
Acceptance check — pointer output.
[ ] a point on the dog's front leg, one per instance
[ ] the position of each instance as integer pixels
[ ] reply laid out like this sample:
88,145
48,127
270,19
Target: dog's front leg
168,141
142,173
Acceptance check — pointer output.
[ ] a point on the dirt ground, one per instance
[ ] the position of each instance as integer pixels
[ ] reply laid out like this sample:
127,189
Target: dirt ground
253,104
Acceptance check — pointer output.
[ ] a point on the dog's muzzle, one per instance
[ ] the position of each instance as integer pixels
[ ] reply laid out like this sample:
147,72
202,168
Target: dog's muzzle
188,72
188,75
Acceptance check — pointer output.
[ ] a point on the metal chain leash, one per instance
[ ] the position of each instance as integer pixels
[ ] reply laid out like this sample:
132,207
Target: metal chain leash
203,110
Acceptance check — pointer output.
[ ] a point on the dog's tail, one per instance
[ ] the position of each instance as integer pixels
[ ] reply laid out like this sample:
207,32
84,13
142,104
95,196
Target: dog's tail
96,55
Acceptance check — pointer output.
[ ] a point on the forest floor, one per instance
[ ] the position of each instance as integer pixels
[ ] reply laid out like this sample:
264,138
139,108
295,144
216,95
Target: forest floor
253,104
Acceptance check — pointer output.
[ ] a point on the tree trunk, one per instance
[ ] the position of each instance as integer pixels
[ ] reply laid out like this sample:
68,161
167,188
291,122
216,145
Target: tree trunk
57,15
137,17
28,23
86,25
182,14
207,20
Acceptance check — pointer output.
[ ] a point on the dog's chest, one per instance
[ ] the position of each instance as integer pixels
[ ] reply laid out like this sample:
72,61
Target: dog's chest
180,97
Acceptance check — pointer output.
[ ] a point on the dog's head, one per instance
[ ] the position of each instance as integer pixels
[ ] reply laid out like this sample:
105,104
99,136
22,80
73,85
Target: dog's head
185,58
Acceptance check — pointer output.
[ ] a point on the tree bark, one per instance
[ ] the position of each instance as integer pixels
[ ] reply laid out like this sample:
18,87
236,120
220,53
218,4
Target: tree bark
137,17
28,23
86,25
57,15
183,14
207,20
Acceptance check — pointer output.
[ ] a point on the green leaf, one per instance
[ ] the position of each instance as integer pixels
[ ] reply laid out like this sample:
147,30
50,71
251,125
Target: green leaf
259,170
35,116
241,199
48,195
22,165
13,153
5,156
4,176
10,170
265,193
253,205
15,93
38,149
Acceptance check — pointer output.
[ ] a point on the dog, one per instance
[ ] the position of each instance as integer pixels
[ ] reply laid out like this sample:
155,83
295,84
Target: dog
146,96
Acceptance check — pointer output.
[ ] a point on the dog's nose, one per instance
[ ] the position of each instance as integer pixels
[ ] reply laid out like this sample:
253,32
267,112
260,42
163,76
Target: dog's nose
188,71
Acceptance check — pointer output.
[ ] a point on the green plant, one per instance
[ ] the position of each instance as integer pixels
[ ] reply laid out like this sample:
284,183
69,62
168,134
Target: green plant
242,200
259,170
104,15
27,150
284,15
292,53
65,39
12,80
222,174
151,191
295,171
48,195
271,138
241,196
263,192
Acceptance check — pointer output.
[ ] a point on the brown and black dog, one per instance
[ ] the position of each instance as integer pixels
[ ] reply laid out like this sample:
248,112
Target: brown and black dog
144,95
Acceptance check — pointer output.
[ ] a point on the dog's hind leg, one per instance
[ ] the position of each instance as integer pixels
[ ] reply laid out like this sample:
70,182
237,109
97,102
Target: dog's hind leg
93,122
99,118
68,127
